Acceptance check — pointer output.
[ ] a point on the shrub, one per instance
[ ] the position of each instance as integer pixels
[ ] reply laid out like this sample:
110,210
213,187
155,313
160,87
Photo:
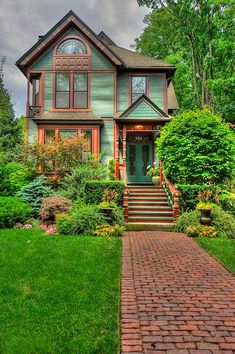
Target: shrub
34,192
108,231
227,202
94,190
224,222
118,216
201,231
197,147
53,205
189,194
189,218
12,211
13,176
82,220
72,185
111,167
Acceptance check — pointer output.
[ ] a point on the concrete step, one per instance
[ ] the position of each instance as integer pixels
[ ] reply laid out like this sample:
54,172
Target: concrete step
148,203
147,198
150,208
150,213
148,220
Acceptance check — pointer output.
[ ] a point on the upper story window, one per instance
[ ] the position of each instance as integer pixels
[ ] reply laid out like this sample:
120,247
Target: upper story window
72,46
138,87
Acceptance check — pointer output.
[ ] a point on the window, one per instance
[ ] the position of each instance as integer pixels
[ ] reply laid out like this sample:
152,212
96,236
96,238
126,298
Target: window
87,136
79,87
62,90
138,87
80,91
71,46
68,133
49,134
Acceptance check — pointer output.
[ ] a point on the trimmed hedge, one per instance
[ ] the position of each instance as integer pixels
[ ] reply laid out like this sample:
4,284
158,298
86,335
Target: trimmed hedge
94,190
189,195
13,210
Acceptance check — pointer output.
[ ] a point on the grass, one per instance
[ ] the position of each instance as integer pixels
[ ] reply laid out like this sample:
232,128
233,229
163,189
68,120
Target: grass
220,248
58,294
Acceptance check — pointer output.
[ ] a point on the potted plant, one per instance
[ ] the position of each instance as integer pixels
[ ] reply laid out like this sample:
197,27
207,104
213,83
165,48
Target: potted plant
108,203
154,172
205,205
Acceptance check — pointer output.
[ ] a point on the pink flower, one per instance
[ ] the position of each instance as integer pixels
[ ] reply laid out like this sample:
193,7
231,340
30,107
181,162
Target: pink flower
43,226
51,231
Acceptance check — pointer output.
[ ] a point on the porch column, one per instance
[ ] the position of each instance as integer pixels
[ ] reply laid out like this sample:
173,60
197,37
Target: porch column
124,153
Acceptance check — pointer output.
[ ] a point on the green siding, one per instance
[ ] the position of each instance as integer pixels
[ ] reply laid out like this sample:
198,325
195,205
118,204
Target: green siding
102,94
107,136
156,90
48,91
45,62
98,61
122,92
32,131
143,109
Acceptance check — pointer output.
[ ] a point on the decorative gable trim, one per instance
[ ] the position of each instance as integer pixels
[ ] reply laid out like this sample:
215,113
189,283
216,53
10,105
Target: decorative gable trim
49,38
144,102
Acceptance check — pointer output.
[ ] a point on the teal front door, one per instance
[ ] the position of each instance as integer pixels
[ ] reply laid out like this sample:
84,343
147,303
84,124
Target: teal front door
139,157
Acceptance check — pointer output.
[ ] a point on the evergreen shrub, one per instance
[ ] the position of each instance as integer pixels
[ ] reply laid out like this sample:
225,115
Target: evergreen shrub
12,211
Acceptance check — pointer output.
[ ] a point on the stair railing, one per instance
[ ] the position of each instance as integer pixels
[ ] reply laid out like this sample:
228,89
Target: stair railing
125,204
171,191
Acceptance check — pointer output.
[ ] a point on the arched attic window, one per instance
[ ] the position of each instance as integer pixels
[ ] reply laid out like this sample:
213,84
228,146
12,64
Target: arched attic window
72,46
72,53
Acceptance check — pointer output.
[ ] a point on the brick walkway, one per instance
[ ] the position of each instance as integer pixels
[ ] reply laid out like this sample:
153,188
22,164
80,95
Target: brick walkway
175,297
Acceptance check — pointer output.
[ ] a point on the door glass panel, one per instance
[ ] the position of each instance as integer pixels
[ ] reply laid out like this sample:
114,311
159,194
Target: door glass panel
145,161
132,160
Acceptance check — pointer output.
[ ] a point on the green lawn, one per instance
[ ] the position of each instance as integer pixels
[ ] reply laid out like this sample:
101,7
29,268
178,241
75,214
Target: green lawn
220,248
58,294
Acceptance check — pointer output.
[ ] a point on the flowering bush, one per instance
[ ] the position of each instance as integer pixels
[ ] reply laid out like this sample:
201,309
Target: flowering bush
108,231
54,205
201,231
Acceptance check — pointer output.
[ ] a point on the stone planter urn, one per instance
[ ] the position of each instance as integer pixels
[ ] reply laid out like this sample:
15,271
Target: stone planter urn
108,214
205,218
156,180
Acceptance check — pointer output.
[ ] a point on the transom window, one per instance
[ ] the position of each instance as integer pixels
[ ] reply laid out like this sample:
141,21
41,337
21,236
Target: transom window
72,91
72,46
138,87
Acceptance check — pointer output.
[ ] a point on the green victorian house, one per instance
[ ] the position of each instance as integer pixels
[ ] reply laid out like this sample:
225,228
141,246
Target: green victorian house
83,83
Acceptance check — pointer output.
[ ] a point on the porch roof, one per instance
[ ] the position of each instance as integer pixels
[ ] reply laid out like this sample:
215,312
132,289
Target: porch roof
67,117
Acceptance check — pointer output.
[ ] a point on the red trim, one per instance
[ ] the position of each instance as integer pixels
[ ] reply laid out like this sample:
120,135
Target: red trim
115,93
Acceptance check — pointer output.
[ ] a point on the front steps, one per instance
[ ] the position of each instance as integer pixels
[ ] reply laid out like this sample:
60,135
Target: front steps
148,205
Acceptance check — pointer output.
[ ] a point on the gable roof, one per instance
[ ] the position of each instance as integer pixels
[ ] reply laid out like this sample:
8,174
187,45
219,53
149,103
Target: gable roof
172,101
49,37
145,109
105,38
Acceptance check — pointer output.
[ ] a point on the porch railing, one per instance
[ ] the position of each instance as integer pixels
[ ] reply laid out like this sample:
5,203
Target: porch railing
172,192
33,110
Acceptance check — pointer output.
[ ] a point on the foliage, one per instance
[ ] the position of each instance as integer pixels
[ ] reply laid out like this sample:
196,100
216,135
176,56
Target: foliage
59,155
222,249
198,38
108,199
13,176
72,185
227,201
10,130
118,216
202,205
189,195
153,171
197,147
59,294
82,220
189,218
108,204
111,167
108,231
12,211
54,205
93,191
34,192
224,222
201,231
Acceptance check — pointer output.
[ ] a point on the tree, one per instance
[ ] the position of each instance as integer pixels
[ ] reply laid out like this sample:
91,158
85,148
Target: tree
197,147
201,34
10,130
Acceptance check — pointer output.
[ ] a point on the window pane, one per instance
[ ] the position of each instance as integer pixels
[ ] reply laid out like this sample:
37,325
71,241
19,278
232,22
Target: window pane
62,99
80,100
135,96
62,82
49,135
72,46
68,133
80,82
87,135
139,84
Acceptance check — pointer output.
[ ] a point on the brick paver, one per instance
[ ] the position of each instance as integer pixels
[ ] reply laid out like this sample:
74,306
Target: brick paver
175,297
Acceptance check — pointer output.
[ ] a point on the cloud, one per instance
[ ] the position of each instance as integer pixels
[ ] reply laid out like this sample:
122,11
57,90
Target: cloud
21,21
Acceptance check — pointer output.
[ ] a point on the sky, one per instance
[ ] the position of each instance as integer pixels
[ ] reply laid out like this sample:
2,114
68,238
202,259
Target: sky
21,21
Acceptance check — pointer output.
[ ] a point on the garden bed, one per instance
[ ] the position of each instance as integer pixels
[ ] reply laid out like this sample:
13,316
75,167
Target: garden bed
59,294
